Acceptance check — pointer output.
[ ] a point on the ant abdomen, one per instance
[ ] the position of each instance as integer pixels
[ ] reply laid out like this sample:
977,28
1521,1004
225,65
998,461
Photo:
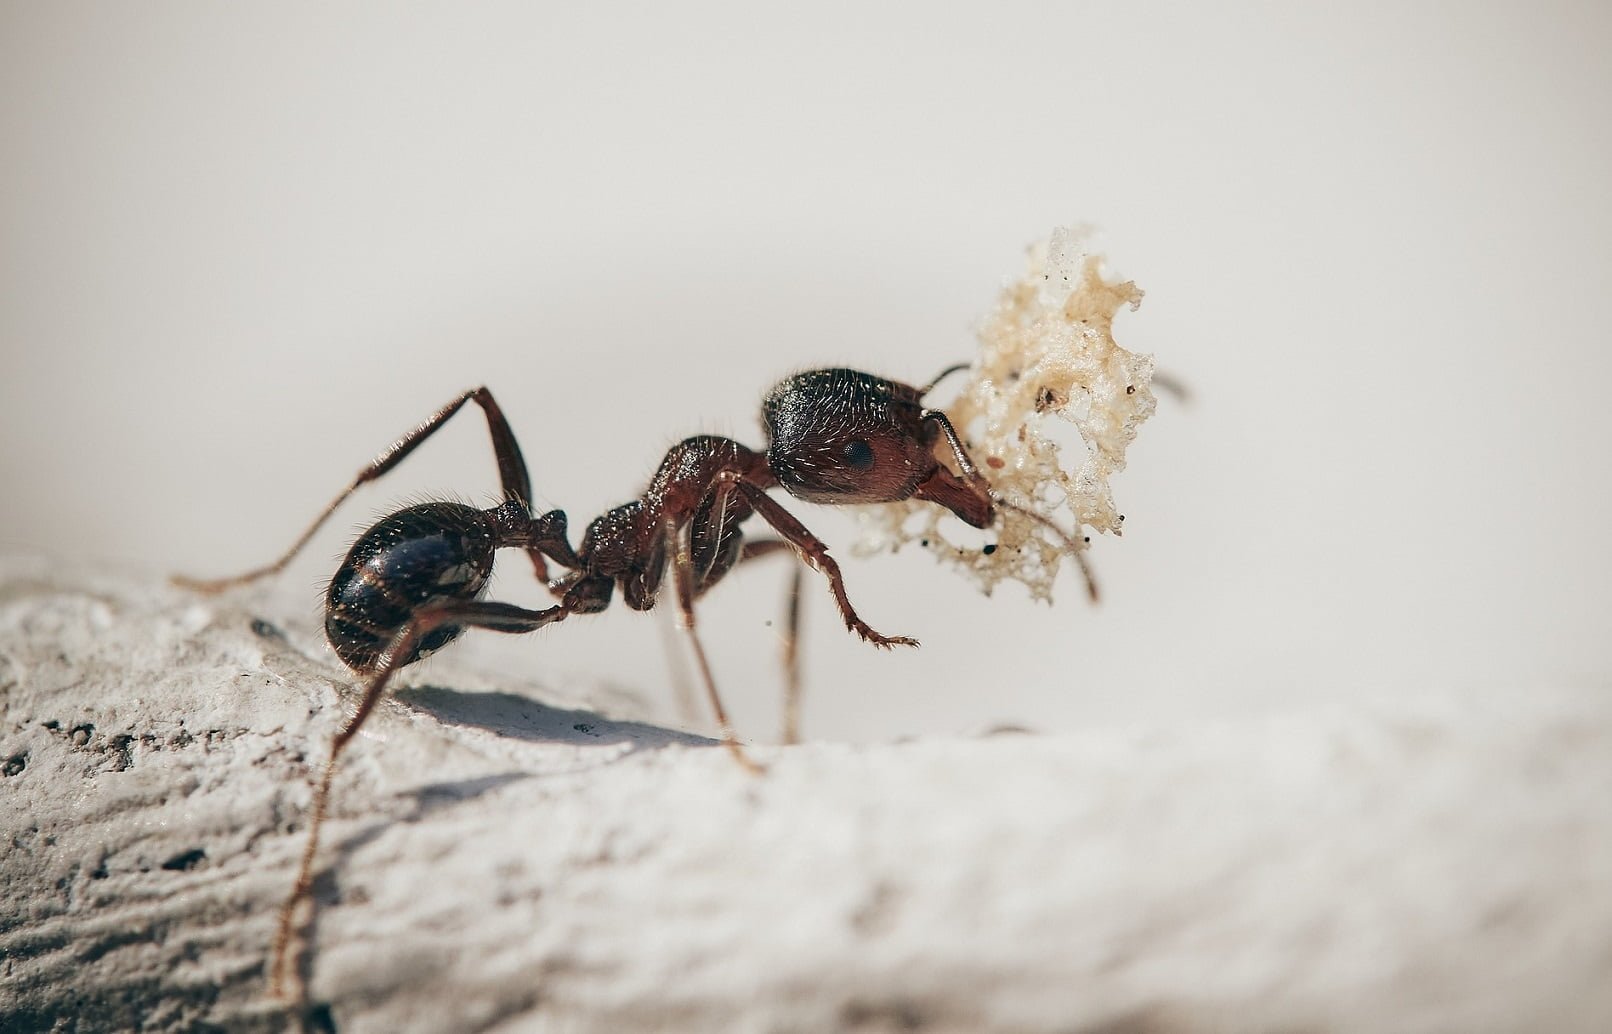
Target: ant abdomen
419,556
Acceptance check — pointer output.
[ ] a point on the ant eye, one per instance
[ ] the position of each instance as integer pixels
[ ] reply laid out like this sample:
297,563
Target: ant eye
858,454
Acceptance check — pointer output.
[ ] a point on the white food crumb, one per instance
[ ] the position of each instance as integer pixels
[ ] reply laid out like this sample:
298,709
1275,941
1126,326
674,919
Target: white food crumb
1046,350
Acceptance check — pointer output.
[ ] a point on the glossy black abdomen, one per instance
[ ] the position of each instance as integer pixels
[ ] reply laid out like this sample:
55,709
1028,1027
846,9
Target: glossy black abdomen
423,555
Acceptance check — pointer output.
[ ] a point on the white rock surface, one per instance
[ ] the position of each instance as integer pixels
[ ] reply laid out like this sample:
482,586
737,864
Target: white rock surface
499,863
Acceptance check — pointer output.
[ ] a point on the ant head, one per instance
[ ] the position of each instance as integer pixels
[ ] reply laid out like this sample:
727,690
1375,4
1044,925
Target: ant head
841,436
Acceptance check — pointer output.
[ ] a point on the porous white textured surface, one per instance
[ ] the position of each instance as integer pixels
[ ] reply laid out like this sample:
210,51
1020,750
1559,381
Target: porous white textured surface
499,860
1047,350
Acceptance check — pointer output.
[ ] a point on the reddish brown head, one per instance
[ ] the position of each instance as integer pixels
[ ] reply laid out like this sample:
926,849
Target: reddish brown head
842,436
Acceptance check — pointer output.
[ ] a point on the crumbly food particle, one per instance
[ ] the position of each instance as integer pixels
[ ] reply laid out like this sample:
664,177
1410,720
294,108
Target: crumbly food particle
1047,351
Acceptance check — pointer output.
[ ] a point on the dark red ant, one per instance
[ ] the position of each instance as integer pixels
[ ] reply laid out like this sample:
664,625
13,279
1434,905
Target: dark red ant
412,583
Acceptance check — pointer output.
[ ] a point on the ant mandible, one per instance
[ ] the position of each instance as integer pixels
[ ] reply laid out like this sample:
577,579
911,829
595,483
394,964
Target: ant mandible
412,583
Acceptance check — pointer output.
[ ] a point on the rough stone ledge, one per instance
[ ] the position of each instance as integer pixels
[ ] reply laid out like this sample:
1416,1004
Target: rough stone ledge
501,863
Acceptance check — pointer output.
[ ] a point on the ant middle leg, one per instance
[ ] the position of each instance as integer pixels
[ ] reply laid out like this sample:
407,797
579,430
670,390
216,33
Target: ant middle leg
497,617
790,637
512,474
682,560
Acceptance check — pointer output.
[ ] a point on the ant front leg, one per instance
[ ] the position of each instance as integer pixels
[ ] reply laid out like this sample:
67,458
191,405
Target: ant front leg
497,617
511,472
814,552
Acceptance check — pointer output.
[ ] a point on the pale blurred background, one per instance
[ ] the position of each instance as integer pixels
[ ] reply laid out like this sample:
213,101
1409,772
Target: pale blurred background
244,247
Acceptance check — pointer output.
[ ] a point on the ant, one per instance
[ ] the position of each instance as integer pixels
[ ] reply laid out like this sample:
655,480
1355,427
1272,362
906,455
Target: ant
412,583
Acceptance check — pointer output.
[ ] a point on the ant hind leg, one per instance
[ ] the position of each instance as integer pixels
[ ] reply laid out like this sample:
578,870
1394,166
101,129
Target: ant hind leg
511,472
497,617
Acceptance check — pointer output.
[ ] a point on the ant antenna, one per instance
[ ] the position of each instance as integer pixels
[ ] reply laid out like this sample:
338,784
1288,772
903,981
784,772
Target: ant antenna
1070,546
942,375
965,463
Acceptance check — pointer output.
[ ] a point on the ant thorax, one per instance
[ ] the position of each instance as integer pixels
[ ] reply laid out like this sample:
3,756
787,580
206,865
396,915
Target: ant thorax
1046,350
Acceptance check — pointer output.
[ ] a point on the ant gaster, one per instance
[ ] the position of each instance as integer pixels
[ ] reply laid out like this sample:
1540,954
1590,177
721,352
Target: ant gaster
412,583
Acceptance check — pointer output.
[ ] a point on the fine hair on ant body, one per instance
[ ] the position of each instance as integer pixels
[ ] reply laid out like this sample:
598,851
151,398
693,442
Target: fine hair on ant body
412,583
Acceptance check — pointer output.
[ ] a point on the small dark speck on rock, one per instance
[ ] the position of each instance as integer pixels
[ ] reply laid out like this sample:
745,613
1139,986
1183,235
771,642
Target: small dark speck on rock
319,1020
185,860
266,630
122,754
989,549
15,764
81,734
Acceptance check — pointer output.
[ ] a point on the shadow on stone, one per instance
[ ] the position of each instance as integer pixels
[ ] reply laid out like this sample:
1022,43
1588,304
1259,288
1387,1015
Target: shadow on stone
522,718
